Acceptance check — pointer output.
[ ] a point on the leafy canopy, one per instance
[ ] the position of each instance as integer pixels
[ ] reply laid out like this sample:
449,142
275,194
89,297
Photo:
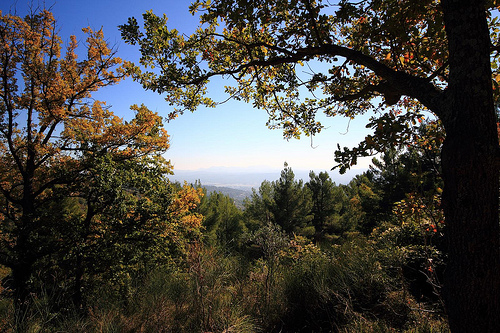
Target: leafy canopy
53,134
297,58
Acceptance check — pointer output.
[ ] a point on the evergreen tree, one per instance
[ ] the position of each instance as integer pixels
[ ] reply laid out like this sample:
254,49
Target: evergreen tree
222,220
441,56
258,208
322,193
292,202
415,169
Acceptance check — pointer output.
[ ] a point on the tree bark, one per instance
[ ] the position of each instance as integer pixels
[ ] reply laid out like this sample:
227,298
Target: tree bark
471,174
25,249
21,276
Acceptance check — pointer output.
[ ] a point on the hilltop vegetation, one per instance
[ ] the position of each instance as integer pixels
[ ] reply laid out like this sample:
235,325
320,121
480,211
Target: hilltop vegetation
95,238
397,60
238,196
299,257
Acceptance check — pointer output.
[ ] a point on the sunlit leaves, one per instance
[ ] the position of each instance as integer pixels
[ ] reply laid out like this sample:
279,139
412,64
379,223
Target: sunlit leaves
239,50
57,141
260,45
184,205
58,117
406,35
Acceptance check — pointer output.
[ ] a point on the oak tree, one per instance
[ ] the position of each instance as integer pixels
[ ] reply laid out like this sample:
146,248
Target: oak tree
399,58
52,134
128,220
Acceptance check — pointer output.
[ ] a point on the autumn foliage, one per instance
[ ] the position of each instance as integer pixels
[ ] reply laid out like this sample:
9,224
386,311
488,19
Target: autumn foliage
398,59
94,237
82,189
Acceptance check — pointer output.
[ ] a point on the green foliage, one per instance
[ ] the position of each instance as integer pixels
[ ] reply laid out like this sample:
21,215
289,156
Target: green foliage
291,202
222,221
401,59
328,212
323,196
116,248
294,287
286,202
362,205
69,166
258,207
416,168
358,52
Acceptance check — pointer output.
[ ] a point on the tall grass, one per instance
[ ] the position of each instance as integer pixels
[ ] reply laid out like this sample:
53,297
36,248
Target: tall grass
354,287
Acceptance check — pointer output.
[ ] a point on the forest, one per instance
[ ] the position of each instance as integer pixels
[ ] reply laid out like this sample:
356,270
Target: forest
95,238
299,257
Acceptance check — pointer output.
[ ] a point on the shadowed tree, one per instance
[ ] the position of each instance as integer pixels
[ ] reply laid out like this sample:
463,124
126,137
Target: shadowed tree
258,207
222,221
323,198
52,132
291,202
416,56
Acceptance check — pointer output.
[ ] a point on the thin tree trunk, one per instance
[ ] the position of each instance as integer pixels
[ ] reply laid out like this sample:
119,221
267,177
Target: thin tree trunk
471,174
24,249
21,275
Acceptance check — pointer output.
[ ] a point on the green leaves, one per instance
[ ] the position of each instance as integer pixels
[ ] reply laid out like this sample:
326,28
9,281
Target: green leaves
394,130
259,46
296,59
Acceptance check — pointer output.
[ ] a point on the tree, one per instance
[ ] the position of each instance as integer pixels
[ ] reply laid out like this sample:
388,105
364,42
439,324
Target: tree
432,56
52,135
322,192
285,202
416,168
292,202
258,208
222,221
130,220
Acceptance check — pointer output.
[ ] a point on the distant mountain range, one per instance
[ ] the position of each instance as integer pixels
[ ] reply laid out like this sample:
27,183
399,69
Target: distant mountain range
237,183
247,178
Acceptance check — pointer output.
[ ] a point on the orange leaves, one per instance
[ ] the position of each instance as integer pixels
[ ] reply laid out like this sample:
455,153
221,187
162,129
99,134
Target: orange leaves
55,128
183,207
424,211
192,221
142,135
188,198
431,228
53,84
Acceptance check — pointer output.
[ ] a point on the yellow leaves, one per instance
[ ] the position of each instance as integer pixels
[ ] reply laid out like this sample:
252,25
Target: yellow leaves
425,211
61,125
101,127
53,83
192,221
402,60
188,198
183,207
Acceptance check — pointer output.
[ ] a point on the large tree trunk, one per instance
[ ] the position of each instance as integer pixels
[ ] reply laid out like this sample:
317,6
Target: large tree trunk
471,174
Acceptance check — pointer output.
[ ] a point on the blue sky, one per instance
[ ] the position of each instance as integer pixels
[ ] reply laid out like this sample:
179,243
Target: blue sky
231,135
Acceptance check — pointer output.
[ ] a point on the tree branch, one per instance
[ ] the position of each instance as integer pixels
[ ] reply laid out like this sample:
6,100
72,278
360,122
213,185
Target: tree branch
399,83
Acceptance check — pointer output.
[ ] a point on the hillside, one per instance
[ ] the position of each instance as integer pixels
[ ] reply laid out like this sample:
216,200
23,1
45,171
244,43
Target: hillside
237,195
